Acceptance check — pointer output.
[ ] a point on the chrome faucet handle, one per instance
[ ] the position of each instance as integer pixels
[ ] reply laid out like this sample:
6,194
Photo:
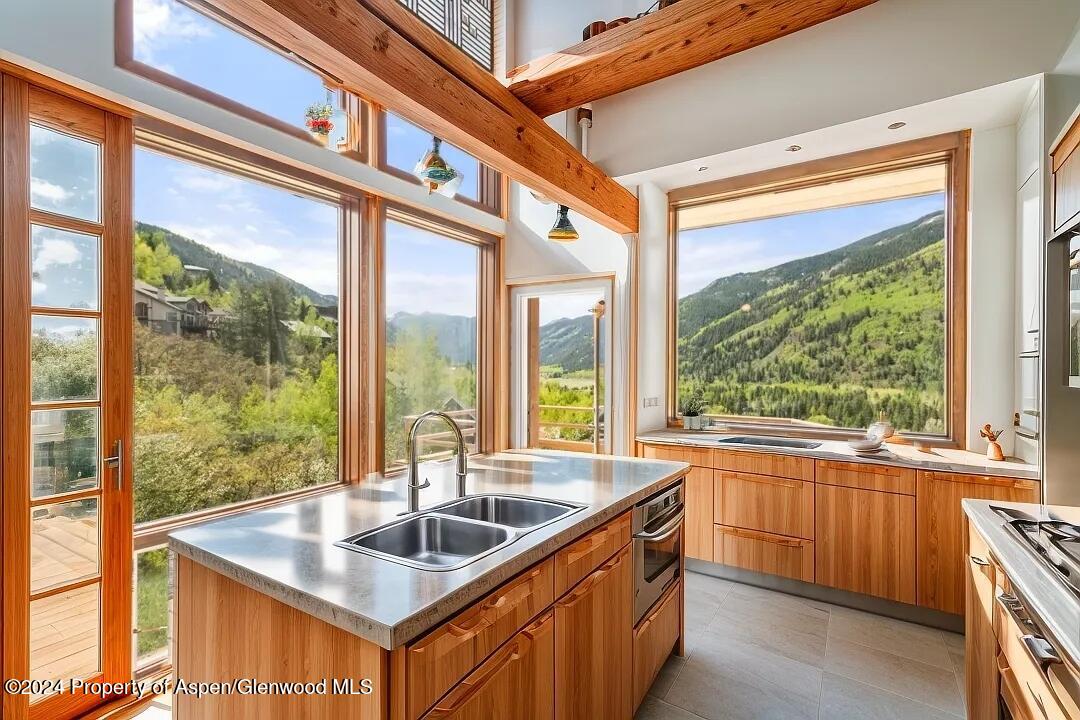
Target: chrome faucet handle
426,484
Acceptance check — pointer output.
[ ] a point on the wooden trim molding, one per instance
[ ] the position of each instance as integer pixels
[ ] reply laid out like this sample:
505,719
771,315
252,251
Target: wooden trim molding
949,149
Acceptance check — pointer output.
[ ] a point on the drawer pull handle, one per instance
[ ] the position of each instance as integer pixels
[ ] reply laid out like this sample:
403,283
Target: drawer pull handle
1042,652
979,561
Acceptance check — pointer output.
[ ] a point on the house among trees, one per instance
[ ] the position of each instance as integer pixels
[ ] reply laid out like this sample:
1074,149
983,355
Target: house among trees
173,314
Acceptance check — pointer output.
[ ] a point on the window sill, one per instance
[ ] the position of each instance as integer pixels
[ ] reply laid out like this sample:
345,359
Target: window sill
795,430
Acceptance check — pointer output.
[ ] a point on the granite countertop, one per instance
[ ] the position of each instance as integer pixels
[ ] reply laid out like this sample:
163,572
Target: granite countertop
940,459
287,551
1055,608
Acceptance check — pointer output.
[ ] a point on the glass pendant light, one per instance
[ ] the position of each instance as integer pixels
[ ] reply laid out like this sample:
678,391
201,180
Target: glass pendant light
435,173
563,230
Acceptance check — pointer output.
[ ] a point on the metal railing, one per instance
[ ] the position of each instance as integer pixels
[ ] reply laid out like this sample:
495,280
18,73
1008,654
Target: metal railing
559,443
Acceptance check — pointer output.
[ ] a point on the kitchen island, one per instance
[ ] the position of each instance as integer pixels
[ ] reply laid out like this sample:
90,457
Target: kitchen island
268,595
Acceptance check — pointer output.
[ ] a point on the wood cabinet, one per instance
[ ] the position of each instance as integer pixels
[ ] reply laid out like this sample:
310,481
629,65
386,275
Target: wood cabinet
764,552
580,558
760,502
865,476
440,659
789,466
865,542
980,666
939,537
515,683
654,638
594,644
1066,179
701,457
698,526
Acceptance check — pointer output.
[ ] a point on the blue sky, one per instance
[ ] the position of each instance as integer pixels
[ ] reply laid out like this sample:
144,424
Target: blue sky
711,253
249,221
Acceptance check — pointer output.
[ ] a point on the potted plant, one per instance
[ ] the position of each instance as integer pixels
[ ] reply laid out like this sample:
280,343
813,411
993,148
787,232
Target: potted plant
317,120
693,407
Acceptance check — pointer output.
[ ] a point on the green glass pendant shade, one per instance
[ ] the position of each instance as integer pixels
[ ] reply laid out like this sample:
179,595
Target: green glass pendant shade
563,230
435,173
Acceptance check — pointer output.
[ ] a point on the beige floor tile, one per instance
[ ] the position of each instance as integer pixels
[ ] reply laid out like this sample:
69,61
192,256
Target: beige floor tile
929,684
782,602
916,642
846,699
656,709
671,669
796,636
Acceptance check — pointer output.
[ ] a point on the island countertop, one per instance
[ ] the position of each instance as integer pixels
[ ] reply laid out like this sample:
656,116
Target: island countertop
287,551
939,459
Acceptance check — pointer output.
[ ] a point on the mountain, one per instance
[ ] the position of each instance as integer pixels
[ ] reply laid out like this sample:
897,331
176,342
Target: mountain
455,334
831,337
227,270
567,342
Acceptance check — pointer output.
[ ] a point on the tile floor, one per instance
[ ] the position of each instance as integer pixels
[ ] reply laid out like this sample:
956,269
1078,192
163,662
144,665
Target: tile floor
754,654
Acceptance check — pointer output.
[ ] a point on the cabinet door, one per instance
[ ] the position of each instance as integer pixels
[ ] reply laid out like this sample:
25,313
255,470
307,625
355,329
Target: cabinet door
594,645
981,647
770,504
865,542
1029,270
940,531
513,684
698,527
764,552
1067,180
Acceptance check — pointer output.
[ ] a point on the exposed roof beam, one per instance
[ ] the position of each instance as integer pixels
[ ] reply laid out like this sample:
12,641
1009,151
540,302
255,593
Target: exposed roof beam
677,38
424,84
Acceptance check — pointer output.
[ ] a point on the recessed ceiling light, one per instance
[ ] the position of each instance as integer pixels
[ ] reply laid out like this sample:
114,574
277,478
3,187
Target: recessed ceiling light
794,148
897,125
703,168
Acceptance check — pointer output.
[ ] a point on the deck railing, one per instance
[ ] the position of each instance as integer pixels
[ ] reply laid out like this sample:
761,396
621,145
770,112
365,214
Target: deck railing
551,430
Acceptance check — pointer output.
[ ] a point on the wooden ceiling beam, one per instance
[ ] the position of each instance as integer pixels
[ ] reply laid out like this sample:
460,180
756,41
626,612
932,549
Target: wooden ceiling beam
427,84
669,41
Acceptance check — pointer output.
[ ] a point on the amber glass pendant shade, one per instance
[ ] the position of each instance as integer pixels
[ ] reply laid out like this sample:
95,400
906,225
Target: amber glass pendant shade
434,172
563,230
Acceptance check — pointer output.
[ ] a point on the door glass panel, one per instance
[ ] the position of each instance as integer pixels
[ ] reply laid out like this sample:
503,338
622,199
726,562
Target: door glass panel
63,358
151,606
64,451
64,268
64,174
64,541
65,635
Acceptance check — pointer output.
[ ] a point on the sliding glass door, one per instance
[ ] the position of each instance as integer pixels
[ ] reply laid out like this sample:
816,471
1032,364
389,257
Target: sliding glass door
66,367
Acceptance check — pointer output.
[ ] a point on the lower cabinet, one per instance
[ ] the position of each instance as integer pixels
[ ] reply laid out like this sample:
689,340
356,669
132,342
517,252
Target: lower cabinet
654,638
594,627
515,683
940,532
697,529
981,672
865,542
764,552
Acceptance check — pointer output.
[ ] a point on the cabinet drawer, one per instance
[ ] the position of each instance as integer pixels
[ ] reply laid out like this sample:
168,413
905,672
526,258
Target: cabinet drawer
760,502
765,552
701,457
436,662
516,683
788,466
575,561
866,477
654,638
698,528
1030,687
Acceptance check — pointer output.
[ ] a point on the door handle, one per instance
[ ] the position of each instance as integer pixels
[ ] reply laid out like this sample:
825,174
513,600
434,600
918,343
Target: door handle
116,460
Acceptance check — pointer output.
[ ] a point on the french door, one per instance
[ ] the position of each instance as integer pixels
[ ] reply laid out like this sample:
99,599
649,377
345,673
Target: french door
66,368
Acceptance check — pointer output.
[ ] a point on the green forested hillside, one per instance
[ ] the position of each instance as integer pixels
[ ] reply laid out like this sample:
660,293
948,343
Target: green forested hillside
830,338
567,342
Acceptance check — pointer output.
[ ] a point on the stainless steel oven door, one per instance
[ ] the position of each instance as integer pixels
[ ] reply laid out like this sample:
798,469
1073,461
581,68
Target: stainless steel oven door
658,538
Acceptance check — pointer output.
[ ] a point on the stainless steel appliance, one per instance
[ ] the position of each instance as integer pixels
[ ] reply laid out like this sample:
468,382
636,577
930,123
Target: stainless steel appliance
658,537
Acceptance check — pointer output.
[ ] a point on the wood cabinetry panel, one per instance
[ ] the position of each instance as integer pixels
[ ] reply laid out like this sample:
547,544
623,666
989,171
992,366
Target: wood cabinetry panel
789,466
865,542
436,662
698,526
866,476
980,669
594,645
764,552
940,530
760,502
654,638
1066,180
516,683
702,457
577,560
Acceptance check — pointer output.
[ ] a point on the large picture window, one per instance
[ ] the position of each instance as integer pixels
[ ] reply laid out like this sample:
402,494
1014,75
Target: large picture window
820,303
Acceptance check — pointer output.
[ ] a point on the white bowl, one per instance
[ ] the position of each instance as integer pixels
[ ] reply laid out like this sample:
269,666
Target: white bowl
868,444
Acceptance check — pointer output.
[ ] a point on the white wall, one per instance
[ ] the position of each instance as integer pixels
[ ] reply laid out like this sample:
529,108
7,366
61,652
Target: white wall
652,278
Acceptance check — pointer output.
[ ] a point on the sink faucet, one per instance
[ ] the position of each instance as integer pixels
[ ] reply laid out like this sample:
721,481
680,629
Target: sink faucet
462,458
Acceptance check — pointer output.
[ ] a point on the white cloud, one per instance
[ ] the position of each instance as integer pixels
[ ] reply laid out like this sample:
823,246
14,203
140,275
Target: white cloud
37,287
701,261
55,251
161,22
45,192
196,180
427,292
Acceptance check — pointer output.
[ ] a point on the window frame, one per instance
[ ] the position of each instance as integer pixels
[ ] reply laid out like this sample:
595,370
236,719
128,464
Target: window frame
490,329
355,108
950,149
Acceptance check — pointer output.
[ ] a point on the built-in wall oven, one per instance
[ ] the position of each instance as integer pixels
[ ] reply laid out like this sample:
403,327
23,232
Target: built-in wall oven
657,539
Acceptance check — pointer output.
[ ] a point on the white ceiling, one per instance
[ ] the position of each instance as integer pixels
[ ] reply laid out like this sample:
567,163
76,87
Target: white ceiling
983,109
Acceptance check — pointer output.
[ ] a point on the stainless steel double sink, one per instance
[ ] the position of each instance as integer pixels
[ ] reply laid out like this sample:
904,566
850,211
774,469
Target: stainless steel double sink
458,532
